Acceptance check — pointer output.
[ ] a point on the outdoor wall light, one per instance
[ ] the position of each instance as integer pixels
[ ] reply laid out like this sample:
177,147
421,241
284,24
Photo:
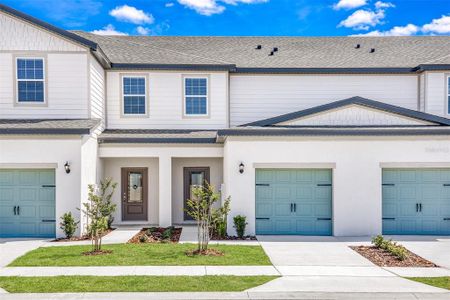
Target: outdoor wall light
241,168
67,167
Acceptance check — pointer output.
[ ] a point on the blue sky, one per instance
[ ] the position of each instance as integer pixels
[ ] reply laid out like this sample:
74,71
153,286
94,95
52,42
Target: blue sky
244,17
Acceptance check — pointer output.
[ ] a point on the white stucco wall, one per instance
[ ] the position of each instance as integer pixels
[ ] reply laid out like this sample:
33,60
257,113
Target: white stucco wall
356,175
34,152
435,93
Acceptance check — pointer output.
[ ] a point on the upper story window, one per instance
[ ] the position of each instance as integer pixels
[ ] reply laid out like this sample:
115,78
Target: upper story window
134,95
30,80
196,96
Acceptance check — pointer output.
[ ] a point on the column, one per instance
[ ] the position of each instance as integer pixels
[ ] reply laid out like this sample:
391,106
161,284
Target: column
165,191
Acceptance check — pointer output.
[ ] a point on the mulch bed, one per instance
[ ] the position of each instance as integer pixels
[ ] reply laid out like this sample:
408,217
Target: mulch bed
383,258
80,238
209,252
155,235
93,253
233,238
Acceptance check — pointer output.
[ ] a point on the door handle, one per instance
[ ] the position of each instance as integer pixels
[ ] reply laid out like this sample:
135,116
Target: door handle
124,197
291,207
417,207
15,210
18,210
420,206
295,207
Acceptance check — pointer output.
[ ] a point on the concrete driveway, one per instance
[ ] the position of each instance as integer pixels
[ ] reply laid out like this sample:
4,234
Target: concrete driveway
327,264
10,249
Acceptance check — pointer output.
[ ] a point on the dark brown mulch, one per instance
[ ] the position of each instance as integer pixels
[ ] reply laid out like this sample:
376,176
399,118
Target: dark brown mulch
209,252
80,238
383,258
100,252
155,236
233,238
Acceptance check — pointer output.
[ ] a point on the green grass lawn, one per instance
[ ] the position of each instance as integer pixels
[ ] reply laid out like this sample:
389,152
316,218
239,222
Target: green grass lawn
67,284
440,282
142,255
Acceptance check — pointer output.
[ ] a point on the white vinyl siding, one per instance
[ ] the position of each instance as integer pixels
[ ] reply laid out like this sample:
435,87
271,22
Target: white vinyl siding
256,97
436,93
165,108
97,91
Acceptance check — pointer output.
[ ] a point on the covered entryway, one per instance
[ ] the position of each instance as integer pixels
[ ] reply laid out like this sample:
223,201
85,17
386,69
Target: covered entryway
27,203
294,201
416,201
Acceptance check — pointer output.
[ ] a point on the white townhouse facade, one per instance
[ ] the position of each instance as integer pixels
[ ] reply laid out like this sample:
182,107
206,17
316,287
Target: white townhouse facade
339,136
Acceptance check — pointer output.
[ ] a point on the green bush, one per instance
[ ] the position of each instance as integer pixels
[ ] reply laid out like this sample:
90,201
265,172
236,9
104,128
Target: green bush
219,219
398,251
240,224
167,234
68,225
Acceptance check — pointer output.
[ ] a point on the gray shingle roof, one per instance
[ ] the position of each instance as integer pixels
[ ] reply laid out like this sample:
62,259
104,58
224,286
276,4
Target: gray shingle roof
294,52
48,126
177,136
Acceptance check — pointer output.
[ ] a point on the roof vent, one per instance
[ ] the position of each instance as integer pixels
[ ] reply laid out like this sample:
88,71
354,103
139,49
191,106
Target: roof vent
357,46
258,47
372,50
275,49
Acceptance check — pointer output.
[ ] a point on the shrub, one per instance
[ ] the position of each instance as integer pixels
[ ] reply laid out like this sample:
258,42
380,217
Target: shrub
240,224
220,217
151,230
167,234
68,225
398,251
143,238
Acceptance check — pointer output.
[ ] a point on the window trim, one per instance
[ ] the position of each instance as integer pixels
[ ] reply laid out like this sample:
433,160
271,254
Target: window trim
122,95
196,116
17,80
447,94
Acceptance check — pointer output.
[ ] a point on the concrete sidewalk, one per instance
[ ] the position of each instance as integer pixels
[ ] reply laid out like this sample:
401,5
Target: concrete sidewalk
230,296
10,249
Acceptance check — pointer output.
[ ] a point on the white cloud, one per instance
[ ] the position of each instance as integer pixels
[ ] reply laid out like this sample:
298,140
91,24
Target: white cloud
143,30
203,7
211,7
440,26
108,30
407,30
170,4
131,14
349,4
381,4
363,19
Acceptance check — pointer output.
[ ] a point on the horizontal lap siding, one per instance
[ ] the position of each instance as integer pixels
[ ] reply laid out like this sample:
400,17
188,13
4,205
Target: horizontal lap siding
435,93
165,102
97,90
262,96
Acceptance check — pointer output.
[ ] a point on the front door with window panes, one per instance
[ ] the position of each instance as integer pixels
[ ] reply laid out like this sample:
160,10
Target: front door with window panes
193,176
134,194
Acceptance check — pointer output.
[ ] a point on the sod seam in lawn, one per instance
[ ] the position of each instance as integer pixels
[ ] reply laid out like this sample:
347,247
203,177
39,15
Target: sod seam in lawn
142,255
74,284
440,282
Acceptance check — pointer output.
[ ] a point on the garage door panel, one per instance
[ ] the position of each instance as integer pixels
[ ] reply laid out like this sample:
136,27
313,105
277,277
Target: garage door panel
299,198
264,193
23,189
417,200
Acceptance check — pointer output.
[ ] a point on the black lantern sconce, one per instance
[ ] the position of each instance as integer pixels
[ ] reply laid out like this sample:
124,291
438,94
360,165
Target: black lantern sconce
67,167
241,167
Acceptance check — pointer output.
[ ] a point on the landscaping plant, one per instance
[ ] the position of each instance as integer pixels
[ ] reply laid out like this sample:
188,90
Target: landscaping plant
220,217
240,224
392,247
98,211
68,225
200,208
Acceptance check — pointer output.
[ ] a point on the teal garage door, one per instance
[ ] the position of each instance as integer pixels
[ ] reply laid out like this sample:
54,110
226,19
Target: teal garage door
293,201
27,203
416,201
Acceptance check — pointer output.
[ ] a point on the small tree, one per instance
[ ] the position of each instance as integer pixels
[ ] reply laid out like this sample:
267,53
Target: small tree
68,225
220,217
201,209
98,211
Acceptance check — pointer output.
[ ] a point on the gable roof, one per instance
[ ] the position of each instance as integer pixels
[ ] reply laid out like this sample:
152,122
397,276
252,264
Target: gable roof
294,55
351,101
44,25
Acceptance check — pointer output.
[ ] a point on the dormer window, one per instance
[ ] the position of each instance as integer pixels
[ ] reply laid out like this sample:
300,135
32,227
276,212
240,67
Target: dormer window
30,78
134,95
195,96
